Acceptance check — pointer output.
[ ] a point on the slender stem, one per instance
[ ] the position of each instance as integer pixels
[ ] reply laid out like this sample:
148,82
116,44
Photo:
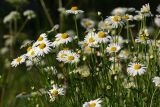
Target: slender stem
47,13
76,25
152,97
61,16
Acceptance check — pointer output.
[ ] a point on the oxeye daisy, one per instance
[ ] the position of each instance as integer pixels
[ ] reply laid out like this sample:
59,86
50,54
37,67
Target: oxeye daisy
93,103
157,20
143,36
72,57
117,40
42,37
90,39
120,11
115,21
102,37
104,25
87,23
31,53
124,54
43,48
136,69
113,48
74,10
56,43
61,55
145,10
18,61
156,80
64,38
55,91
127,17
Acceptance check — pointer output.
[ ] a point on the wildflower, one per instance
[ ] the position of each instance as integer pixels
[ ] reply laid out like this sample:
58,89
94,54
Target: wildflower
55,91
90,39
13,15
42,48
104,25
138,17
115,21
113,48
64,38
18,61
56,43
87,23
74,10
120,11
30,14
145,10
61,55
31,53
117,40
71,57
41,38
83,71
127,17
102,37
157,20
93,103
156,80
143,36
124,54
136,69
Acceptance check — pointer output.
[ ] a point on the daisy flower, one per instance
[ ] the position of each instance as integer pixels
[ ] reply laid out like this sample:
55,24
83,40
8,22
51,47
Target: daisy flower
102,37
61,55
115,21
145,10
93,103
157,20
55,91
43,48
56,43
138,17
87,23
120,11
104,25
74,10
127,17
113,48
18,60
64,38
90,39
31,53
42,37
117,40
136,69
124,54
143,36
156,80
71,57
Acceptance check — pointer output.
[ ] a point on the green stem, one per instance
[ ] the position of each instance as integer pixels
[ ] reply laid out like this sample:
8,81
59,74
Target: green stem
76,25
152,97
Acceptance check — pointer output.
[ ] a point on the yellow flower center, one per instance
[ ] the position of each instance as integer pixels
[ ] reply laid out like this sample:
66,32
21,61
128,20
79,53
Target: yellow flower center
54,92
29,48
74,8
64,35
62,56
101,34
18,59
126,17
40,38
116,18
32,53
92,105
142,38
91,40
137,66
113,49
88,23
70,58
42,46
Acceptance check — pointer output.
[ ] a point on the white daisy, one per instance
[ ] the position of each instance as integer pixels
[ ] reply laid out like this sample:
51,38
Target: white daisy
157,20
64,38
87,23
127,17
124,54
55,91
115,21
71,57
156,80
120,11
104,25
18,60
61,55
143,37
145,10
113,48
56,43
117,40
102,37
31,53
93,103
136,69
42,48
90,39
74,10
138,17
